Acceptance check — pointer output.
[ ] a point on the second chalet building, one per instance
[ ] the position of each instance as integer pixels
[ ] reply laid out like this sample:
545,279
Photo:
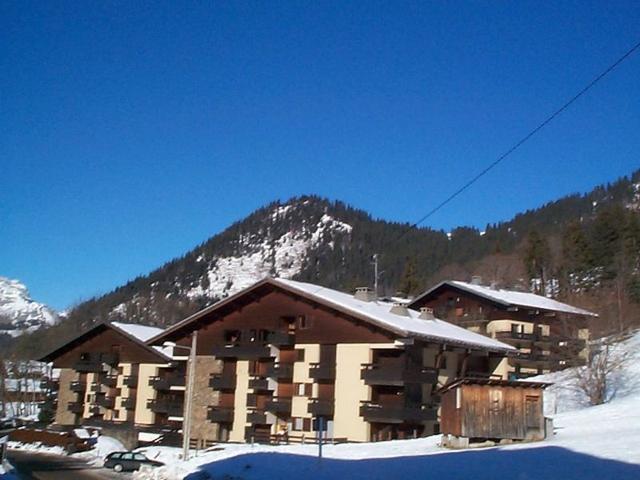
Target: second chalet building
279,354
549,335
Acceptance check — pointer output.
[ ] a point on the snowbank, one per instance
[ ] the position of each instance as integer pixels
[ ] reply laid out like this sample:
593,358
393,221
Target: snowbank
104,446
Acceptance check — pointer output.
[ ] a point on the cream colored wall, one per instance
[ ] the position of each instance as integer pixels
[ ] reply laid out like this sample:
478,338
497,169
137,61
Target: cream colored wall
505,325
120,413
65,396
350,390
91,377
144,415
300,403
240,402
503,368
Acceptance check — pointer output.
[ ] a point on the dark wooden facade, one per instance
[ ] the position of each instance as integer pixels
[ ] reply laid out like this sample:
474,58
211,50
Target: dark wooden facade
554,342
484,409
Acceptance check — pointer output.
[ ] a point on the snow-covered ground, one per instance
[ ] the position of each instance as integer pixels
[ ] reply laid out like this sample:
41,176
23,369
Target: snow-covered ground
601,442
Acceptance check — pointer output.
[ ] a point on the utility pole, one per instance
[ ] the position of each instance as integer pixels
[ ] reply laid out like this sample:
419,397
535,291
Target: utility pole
188,401
376,274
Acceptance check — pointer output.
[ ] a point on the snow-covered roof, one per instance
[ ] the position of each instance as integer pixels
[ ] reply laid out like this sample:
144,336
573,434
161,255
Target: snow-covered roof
380,313
141,332
513,298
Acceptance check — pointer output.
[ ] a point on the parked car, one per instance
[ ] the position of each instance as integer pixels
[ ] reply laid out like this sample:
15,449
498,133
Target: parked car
128,461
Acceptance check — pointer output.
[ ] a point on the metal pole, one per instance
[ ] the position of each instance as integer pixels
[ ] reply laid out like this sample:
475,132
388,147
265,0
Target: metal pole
188,401
375,274
321,428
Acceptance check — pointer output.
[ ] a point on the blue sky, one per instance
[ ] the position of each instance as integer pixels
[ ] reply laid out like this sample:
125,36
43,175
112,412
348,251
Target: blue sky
132,131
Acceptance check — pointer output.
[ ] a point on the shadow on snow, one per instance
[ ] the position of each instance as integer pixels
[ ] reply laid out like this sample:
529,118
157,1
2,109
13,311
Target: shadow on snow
548,463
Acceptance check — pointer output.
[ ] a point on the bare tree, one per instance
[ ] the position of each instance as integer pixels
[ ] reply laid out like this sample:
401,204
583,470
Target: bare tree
600,378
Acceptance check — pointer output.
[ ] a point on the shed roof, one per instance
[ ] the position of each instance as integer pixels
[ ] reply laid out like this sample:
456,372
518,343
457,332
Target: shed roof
494,382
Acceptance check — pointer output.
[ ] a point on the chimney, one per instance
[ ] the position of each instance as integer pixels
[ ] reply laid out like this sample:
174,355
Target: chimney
365,294
426,313
476,280
494,286
399,309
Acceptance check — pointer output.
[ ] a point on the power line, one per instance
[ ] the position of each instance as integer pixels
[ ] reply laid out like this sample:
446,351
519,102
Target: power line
522,141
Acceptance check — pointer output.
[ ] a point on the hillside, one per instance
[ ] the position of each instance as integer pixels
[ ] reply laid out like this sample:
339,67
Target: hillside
583,248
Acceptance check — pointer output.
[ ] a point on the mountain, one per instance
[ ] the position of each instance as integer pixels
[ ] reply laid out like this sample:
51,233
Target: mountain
19,313
576,247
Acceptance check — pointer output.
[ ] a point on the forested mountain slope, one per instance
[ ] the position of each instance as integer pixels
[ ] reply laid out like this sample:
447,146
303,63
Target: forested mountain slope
583,248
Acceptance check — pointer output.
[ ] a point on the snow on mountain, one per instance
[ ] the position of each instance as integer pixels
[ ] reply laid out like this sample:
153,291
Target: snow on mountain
19,313
282,257
270,250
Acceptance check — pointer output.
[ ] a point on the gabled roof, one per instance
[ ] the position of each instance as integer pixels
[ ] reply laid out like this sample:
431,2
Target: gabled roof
375,313
508,298
137,334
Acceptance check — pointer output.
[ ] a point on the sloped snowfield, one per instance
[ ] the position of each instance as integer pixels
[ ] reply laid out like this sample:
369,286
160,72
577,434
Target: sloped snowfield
601,442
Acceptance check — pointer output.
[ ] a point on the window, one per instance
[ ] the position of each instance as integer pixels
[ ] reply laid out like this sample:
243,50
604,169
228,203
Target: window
297,424
127,456
458,398
308,389
306,424
304,322
300,389
231,336
115,456
85,356
299,354
139,457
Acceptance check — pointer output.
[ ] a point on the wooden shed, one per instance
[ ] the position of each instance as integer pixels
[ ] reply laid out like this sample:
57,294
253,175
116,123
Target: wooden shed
478,409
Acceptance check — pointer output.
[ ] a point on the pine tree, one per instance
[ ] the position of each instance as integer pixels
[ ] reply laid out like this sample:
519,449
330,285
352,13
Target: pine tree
537,258
410,285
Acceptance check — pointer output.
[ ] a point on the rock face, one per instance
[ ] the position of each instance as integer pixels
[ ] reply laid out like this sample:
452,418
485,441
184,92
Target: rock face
19,313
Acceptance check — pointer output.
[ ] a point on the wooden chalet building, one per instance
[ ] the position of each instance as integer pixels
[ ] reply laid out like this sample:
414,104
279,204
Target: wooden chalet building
279,354
109,377
548,334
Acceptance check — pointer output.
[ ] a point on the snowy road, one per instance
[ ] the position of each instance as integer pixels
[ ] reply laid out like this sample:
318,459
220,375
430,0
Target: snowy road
38,466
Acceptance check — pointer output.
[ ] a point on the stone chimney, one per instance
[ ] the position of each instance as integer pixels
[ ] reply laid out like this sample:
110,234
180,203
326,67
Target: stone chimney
476,280
426,313
400,309
365,294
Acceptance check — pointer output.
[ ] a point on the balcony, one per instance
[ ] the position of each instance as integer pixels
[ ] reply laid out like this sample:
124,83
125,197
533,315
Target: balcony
257,417
129,403
75,407
167,407
109,380
165,382
130,381
278,405
280,370
535,360
88,366
245,351
322,371
106,402
78,387
373,412
95,410
280,339
219,381
259,384
397,375
320,407
220,415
